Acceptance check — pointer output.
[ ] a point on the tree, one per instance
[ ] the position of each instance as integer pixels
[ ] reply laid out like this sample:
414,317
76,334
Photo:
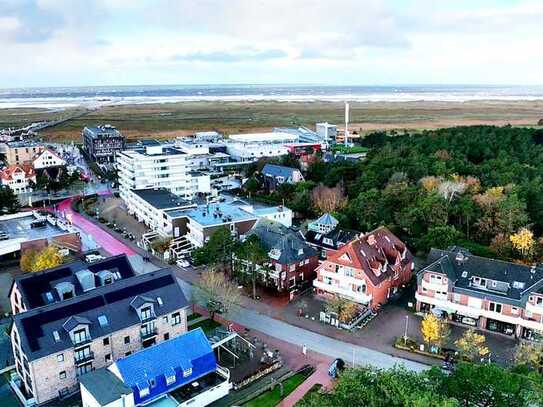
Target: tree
9,203
218,250
523,241
253,254
344,309
472,345
433,330
441,237
216,292
530,354
33,261
328,199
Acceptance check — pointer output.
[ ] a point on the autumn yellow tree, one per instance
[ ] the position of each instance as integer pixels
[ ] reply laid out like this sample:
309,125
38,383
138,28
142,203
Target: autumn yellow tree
523,241
472,345
37,261
433,330
529,354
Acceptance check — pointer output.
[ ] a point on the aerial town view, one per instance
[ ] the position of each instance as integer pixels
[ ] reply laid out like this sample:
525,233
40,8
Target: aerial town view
271,203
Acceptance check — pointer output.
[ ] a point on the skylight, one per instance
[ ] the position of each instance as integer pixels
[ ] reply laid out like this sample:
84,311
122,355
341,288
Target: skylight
103,321
56,336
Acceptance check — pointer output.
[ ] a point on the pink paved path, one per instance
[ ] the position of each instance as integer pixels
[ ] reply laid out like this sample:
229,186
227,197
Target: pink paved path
104,239
320,375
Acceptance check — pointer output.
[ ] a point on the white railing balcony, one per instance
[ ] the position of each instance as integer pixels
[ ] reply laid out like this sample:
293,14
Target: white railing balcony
349,294
534,309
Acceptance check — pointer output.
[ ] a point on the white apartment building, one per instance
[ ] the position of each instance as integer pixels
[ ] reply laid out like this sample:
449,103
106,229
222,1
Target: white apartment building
158,166
251,147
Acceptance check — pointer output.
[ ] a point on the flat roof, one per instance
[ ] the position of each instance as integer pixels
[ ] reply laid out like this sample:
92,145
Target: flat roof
263,137
19,228
161,198
218,214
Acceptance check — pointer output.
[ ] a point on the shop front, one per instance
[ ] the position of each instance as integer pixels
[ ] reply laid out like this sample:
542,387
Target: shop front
500,327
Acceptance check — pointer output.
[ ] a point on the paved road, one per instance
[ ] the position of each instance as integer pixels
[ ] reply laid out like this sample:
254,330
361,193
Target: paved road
109,243
316,342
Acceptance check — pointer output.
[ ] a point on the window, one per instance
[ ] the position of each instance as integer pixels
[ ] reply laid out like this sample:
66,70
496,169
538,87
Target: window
107,358
144,392
514,310
176,318
152,382
170,379
106,341
187,372
80,335
539,300
126,340
494,307
166,336
128,353
146,313
349,272
165,319
60,357
62,375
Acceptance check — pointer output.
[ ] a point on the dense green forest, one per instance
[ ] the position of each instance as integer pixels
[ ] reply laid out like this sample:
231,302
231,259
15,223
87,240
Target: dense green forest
473,186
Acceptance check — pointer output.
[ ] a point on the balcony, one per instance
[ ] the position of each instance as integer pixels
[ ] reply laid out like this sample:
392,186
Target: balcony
148,334
434,286
82,341
82,359
359,297
147,318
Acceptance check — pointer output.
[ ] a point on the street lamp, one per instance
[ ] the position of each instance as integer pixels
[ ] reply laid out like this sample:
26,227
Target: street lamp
405,332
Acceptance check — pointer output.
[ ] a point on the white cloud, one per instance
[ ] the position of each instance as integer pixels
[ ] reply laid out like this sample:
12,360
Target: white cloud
57,42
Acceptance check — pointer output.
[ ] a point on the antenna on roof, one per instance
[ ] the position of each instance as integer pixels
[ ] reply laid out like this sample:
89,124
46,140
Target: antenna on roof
346,135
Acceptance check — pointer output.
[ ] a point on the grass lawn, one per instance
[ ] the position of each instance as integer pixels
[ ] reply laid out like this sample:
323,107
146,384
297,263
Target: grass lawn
207,325
272,398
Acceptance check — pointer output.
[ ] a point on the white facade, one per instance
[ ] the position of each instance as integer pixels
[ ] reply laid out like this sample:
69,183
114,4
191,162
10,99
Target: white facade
47,159
280,214
156,167
18,178
326,131
251,147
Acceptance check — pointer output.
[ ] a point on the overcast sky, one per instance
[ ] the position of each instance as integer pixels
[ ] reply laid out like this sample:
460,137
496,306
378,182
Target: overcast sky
367,42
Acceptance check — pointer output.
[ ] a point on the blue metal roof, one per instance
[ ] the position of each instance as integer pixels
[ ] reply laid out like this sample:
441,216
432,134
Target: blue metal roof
189,351
278,171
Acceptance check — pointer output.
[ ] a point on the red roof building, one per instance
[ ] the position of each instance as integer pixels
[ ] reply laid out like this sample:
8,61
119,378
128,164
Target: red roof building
18,177
367,270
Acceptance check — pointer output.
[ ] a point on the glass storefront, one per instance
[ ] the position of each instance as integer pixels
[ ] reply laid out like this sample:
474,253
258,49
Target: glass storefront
501,327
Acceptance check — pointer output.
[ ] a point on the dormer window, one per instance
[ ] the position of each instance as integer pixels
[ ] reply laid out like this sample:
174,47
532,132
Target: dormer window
518,284
146,313
80,336
170,377
143,390
187,372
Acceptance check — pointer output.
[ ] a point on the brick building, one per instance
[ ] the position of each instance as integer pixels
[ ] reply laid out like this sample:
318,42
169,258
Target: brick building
292,260
76,318
367,270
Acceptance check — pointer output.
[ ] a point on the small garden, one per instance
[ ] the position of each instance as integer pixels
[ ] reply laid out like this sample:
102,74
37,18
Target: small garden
281,390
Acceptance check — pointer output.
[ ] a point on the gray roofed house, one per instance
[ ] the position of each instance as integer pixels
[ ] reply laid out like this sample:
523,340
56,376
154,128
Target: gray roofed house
274,175
107,387
288,252
492,294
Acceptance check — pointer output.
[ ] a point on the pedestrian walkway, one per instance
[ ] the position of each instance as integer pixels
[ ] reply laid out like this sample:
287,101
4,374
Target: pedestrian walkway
102,238
319,376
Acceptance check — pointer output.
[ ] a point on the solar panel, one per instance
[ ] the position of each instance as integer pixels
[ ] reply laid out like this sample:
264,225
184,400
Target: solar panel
137,289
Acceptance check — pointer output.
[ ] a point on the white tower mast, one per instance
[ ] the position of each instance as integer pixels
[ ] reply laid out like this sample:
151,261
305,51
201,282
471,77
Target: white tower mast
346,135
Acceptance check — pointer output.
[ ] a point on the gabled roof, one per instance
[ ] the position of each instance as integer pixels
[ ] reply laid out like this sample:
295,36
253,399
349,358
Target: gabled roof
27,169
74,321
140,300
104,386
514,282
375,253
47,150
189,351
288,245
274,170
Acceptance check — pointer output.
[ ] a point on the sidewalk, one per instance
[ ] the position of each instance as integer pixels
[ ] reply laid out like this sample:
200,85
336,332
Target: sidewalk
319,376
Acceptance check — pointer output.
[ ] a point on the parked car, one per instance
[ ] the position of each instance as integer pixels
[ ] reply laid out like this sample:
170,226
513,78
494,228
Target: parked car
4,236
469,321
183,263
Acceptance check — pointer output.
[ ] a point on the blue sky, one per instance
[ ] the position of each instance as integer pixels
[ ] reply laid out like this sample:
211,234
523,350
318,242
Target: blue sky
123,42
